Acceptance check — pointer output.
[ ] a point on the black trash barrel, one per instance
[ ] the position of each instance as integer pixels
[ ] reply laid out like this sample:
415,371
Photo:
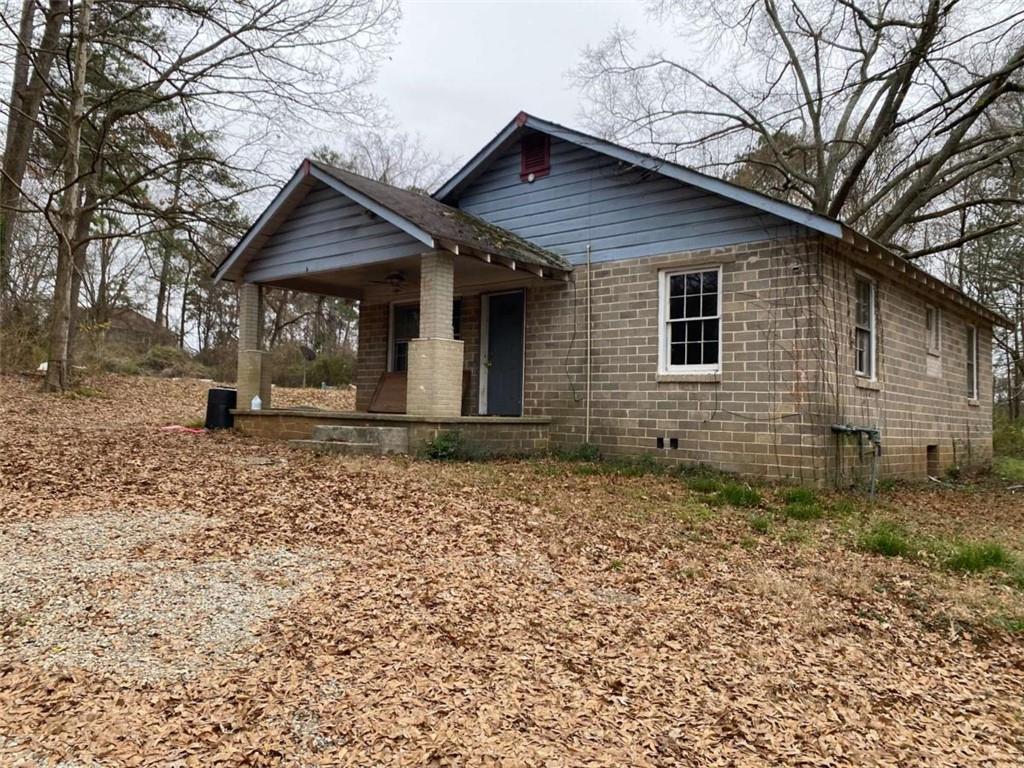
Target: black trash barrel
219,402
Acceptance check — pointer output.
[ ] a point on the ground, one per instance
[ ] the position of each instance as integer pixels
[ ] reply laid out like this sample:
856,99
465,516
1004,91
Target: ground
178,599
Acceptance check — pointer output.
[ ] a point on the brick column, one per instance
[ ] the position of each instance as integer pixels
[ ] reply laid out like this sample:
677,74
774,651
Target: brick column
434,386
253,372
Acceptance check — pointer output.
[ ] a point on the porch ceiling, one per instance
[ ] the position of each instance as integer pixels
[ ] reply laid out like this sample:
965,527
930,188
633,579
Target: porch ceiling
371,280
328,221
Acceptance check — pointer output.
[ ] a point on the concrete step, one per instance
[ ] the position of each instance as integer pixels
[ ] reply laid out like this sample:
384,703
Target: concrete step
389,439
336,447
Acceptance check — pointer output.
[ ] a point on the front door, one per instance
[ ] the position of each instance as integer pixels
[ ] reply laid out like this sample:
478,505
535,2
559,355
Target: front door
503,357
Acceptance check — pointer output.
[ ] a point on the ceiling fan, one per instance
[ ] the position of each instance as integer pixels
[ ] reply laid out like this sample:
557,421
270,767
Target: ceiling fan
395,279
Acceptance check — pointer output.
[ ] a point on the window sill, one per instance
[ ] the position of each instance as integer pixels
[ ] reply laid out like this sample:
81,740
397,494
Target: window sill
934,353
871,384
696,378
973,402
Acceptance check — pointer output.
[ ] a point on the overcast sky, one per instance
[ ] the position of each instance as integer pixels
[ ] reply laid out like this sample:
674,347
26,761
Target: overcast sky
462,70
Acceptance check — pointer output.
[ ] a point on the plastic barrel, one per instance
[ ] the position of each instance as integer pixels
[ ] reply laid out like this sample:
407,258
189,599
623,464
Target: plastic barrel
219,402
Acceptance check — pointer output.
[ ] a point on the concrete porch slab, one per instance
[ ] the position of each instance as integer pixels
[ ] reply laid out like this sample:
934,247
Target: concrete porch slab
498,435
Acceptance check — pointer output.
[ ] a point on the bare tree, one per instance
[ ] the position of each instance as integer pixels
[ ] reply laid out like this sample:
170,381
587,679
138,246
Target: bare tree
878,112
260,66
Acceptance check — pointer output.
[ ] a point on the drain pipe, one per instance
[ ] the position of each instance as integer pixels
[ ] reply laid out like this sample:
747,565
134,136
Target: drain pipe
586,438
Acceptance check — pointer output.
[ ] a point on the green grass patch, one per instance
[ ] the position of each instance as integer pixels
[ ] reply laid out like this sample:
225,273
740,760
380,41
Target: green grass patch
1012,624
843,507
803,510
977,556
581,452
704,484
738,495
888,539
799,495
761,523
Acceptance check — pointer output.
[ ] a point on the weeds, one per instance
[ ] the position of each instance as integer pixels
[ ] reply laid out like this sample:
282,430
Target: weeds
738,495
888,539
451,446
803,510
799,496
761,523
977,556
704,484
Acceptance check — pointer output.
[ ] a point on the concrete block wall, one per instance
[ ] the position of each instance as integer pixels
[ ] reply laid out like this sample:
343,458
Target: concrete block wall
435,377
787,366
751,418
919,399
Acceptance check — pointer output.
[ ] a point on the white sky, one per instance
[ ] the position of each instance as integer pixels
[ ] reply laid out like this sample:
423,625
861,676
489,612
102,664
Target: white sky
462,70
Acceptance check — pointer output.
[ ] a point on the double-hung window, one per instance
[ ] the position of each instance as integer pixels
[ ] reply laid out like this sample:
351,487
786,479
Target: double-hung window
864,344
690,311
972,362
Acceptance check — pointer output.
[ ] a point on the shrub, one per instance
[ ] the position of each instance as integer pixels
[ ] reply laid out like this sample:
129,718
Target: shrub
1010,469
976,556
887,538
803,510
170,361
739,495
1008,437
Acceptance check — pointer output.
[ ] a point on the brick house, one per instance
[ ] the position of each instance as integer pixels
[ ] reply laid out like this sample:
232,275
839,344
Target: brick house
560,289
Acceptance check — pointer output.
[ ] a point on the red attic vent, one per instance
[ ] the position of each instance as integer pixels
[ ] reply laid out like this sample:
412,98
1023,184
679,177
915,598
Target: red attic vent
535,156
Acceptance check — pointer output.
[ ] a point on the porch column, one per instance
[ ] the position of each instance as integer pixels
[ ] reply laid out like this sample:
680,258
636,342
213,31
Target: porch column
434,385
253,371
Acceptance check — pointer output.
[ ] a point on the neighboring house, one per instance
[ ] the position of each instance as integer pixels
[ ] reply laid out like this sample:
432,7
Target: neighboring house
560,289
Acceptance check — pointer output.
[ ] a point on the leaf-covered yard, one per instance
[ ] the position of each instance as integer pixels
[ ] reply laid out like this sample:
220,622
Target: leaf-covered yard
175,599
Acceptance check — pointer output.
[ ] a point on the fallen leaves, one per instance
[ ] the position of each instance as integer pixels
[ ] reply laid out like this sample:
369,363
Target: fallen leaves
214,600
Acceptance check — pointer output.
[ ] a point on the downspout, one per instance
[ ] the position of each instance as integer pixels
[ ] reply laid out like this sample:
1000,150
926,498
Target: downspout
586,438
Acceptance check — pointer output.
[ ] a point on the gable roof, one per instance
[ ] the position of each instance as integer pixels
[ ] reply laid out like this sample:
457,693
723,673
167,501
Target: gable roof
431,222
523,123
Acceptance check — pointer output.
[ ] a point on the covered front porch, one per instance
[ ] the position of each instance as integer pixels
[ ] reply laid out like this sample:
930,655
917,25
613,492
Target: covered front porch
443,300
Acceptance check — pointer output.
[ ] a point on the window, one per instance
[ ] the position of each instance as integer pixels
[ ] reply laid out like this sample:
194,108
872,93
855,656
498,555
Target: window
405,326
972,362
864,329
535,156
933,329
690,308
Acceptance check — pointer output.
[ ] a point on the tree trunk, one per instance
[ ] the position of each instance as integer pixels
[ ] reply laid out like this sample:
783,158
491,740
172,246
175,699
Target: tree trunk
27,91
68,215
82,228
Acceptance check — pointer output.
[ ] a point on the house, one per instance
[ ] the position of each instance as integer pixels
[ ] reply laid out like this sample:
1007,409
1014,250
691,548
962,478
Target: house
560,289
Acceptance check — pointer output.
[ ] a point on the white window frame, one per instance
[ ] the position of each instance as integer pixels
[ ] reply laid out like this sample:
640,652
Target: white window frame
973,381
664,338
933,342
872,326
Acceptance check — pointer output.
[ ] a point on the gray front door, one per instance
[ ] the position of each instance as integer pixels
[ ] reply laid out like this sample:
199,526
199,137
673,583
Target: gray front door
504,360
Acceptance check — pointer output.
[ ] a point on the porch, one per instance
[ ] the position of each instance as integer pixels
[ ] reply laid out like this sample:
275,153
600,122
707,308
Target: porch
442,295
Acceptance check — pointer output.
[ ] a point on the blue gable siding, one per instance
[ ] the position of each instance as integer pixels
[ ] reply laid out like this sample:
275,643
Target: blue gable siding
327,231
621,211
